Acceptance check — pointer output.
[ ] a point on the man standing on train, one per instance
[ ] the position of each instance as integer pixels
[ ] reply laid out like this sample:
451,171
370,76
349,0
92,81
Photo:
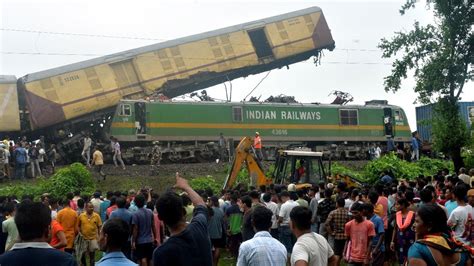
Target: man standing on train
257,145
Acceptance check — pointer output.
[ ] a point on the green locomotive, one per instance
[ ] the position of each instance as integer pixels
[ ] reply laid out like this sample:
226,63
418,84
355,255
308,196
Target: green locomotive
200,123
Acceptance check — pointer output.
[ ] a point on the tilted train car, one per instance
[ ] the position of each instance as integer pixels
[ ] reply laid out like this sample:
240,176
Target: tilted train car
9,107
68,99
311,124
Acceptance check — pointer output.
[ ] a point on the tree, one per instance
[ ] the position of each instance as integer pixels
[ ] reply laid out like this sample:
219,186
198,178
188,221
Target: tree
441,57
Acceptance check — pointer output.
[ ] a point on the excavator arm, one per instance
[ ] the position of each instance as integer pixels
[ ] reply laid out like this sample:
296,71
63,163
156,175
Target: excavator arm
243,155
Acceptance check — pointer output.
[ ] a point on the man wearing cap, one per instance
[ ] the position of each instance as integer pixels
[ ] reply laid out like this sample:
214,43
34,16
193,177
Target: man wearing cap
257,145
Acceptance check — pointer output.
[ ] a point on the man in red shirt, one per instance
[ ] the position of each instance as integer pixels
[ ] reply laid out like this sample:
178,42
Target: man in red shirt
359,232
257,145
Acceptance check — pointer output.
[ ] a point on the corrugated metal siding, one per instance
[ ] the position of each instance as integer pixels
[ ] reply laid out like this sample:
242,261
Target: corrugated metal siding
423,121
467,113
425,113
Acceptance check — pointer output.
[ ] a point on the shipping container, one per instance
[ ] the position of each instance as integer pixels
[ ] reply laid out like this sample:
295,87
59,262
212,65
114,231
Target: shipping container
424,114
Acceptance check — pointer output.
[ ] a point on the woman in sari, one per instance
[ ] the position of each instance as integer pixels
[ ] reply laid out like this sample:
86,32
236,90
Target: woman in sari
404,235
435,245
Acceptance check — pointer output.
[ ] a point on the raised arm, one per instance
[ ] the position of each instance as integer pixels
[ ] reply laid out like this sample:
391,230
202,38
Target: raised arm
182,184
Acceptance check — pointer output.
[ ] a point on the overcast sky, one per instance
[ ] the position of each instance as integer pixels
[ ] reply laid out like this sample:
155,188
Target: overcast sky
355,66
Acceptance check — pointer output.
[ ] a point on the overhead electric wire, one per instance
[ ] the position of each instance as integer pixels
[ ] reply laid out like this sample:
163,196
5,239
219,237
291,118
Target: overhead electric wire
157,39
82,34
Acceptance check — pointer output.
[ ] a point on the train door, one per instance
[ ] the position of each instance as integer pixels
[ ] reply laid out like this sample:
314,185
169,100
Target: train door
260,43
140,118
387,122
126,78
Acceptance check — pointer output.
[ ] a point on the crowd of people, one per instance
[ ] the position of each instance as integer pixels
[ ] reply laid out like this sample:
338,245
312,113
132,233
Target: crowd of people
424,222
24,159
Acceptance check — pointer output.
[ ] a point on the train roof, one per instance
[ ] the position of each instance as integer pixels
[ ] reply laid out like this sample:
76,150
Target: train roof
7,79
324,105
145,49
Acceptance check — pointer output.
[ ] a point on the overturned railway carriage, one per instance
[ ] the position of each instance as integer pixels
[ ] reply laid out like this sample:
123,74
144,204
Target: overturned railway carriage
64,101
308,124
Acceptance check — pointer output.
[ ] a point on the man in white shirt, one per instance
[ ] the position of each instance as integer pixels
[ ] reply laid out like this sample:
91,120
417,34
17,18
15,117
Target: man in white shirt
273,207
262,249
311,249
117,153
86,150
459,216
313,207
285,235
378,152
464,177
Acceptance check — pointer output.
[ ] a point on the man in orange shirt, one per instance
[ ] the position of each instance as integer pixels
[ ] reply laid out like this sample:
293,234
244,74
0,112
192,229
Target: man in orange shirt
359,233
58,238
67,218
257,145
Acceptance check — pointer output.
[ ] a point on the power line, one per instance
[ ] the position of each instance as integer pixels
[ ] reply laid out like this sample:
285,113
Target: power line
158,39
82,34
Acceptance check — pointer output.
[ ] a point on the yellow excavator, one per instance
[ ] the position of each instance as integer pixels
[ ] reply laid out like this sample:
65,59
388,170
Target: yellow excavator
303,168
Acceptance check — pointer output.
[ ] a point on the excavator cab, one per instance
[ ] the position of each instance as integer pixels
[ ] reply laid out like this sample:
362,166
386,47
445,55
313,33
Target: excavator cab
302,168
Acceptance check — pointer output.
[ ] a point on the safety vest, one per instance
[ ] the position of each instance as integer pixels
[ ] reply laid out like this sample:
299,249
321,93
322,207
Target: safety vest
257,143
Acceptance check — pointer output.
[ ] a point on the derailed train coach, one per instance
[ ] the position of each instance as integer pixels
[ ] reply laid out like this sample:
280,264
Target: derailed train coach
9,107
63,102
278,124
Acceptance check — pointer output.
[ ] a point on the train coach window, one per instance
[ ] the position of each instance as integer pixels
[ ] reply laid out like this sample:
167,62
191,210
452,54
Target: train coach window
125,110
348,117
237,114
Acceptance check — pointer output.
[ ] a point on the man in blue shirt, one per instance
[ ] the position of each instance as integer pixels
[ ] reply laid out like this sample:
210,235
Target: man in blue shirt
20,155
125,216
262,249
143,232
415,148
378,248
104,205
113,236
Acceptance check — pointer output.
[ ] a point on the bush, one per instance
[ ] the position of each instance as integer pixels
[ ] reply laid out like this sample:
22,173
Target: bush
338,169
67,179
402,169
431,166
204,183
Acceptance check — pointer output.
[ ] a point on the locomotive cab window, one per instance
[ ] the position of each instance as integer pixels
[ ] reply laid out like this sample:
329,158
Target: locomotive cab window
348,117
398,115
125,110
237,114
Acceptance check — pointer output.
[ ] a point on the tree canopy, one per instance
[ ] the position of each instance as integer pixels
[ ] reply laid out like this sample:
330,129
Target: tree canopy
440,56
